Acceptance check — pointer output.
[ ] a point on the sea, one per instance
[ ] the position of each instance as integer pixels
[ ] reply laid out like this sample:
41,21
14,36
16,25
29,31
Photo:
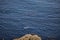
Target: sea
20,17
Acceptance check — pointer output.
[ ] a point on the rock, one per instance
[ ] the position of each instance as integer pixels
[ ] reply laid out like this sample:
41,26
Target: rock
35,37
29,37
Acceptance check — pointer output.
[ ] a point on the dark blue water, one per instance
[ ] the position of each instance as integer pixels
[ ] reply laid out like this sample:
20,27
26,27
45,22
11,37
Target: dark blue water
19,17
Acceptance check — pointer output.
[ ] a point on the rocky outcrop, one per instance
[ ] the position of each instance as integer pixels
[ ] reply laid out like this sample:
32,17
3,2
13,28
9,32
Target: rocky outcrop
29,37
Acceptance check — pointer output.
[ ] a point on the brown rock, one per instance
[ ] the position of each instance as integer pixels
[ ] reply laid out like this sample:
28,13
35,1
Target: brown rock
29,37
35,37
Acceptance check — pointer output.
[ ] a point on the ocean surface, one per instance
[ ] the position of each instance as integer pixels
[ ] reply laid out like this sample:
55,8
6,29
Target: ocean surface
20,17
